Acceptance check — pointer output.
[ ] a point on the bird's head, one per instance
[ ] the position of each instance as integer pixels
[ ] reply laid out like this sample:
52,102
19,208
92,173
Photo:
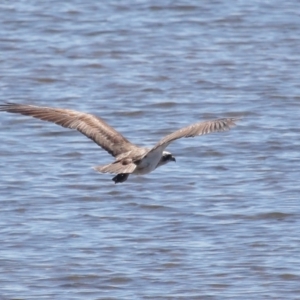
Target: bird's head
165,158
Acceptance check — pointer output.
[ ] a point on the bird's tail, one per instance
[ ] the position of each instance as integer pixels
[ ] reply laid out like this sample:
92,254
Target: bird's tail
116,168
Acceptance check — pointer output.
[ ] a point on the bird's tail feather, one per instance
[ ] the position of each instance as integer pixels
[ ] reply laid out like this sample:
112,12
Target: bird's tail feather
116,168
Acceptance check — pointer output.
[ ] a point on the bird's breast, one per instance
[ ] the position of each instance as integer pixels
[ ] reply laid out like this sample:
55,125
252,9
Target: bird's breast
148,163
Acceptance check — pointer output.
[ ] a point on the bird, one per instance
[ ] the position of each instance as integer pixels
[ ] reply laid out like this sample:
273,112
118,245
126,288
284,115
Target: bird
129,158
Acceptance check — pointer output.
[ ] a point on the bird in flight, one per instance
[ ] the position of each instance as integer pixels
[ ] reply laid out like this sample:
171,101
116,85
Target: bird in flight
129,158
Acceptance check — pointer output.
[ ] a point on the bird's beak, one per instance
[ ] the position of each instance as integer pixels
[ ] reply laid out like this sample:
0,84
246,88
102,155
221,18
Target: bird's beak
173,158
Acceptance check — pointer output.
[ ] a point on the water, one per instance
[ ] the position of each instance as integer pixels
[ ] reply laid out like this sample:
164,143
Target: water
221,223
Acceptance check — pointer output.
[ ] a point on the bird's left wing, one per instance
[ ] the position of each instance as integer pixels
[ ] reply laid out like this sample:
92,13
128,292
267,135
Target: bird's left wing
91,126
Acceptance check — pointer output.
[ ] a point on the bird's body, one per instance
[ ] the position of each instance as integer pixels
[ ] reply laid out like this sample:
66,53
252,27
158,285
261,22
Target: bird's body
148,163
129,158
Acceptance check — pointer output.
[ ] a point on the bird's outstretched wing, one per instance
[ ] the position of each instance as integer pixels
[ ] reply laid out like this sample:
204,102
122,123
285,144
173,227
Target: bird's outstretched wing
91,126
193,130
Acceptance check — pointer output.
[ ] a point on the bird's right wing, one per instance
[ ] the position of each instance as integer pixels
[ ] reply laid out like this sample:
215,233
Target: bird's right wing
91,126
196,129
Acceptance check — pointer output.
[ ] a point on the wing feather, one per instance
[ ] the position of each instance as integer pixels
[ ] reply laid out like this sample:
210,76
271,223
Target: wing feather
91,126
196,129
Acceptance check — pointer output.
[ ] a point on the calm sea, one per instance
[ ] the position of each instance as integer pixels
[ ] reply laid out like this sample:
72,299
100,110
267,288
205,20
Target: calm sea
221,223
